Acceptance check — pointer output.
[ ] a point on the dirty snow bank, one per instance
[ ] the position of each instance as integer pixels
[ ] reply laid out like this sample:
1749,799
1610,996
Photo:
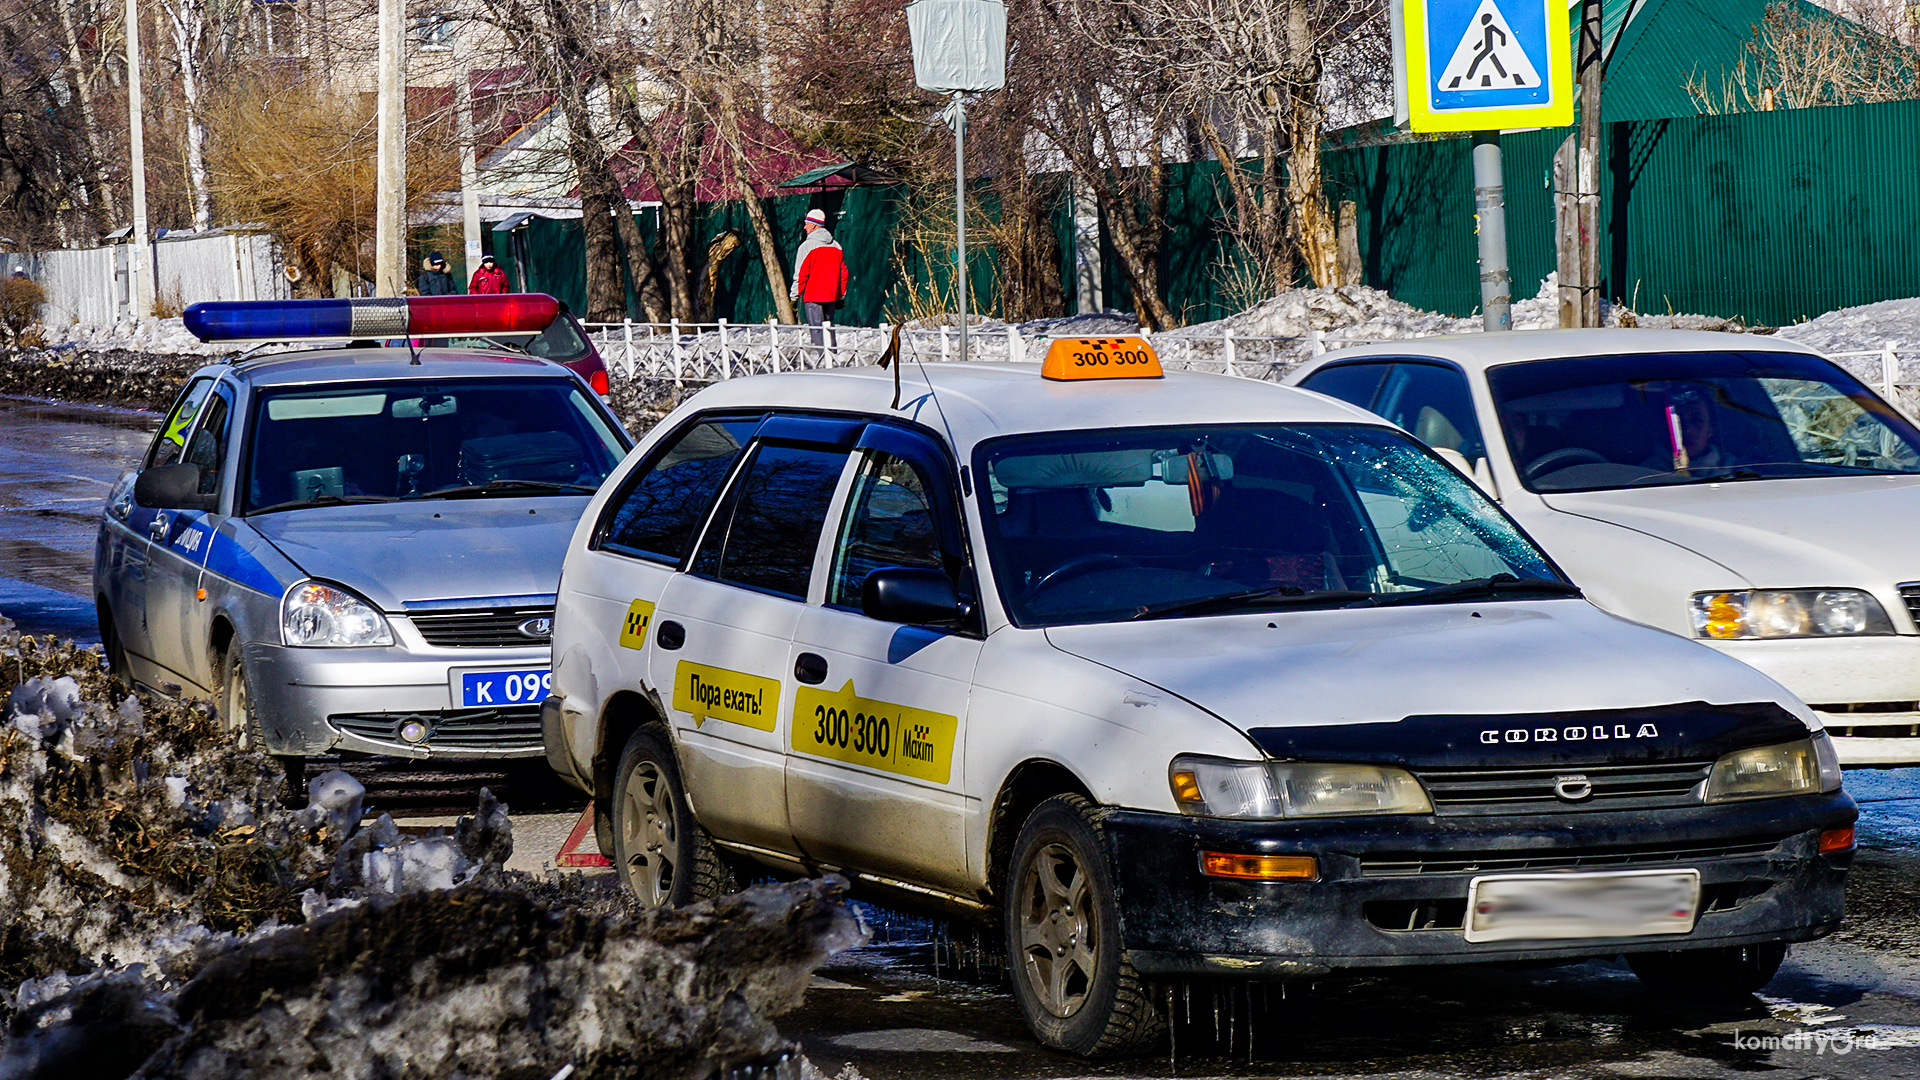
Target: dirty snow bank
163,914
1858,329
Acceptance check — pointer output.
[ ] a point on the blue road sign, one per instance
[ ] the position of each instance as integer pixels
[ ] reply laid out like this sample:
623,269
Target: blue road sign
1483,65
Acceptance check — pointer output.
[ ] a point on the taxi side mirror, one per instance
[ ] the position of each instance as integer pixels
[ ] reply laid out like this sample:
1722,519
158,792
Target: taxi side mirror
910,594
172,487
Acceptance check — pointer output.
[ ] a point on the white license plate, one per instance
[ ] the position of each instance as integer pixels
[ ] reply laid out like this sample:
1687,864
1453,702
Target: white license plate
481,689
1620,903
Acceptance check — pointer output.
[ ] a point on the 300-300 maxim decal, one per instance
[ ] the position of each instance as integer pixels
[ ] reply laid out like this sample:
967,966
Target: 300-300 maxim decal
879,734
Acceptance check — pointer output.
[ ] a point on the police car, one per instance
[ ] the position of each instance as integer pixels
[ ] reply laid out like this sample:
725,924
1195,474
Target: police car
1738,490
355,548
1170,676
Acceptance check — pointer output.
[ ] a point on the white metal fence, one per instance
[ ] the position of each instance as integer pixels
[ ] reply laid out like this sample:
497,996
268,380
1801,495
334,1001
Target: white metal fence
90,286
1893,371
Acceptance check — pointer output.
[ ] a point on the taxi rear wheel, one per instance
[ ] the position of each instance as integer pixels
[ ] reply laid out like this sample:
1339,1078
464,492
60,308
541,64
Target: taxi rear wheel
1070,977
1731,971
664,857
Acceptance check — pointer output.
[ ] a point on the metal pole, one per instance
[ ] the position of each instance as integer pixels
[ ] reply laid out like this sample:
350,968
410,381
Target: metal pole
470,174
138,268
390,221
1490,214
960,210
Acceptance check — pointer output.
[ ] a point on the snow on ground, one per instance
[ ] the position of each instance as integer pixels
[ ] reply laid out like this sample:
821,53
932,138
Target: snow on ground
1858,329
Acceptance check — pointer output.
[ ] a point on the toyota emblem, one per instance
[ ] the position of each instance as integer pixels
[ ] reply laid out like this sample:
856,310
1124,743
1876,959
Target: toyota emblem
1573,787
539,629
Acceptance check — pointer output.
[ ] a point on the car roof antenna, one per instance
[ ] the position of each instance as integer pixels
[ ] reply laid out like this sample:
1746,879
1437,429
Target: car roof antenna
413,350
891,359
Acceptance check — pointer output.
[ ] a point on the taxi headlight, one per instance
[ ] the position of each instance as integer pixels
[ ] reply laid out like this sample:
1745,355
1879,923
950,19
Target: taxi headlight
1216,787
1801,767
318,614
1787,613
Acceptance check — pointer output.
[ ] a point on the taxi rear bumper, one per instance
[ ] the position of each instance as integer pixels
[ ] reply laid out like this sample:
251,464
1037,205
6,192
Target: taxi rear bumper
312,701
1392,891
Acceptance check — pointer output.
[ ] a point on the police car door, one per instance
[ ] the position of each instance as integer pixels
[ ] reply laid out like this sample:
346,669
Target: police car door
723,628
174,611
873,781
130,529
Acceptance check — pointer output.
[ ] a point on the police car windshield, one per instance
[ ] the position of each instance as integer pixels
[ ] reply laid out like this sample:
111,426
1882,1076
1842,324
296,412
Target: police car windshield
425,439
1099,526
1597,422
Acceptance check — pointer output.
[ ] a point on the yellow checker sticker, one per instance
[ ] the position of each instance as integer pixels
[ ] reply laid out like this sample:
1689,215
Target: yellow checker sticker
633,632
717,693
878,734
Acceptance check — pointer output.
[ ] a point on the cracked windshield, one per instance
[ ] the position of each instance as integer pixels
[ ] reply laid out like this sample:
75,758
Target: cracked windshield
1602,422
1108,525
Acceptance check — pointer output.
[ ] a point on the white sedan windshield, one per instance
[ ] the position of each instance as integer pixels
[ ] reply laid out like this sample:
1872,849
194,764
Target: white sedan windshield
1104,525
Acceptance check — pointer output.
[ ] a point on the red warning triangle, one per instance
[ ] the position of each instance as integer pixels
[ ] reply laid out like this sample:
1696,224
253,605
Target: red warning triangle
570,853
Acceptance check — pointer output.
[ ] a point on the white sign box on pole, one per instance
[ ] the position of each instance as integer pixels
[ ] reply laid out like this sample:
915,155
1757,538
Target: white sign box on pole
958,45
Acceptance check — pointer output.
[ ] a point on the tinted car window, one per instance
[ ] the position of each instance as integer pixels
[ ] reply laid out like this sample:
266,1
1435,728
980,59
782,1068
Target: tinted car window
1354,384
890,522
172,439
665,502
767,534
1434,404
208,448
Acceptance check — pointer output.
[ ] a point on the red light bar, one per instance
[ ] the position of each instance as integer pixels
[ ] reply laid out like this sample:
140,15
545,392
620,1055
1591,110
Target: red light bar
510,313
371,317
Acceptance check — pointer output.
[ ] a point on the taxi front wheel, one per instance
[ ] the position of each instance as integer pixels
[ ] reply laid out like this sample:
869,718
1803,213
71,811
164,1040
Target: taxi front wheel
664,856
1729,971
1072,981
242,722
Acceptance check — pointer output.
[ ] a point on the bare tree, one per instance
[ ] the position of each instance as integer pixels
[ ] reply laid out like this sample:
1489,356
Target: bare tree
1798,59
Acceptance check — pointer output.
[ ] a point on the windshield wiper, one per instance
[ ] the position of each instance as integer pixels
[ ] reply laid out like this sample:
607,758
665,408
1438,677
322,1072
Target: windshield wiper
1279,596
322,500
1486,586
503,487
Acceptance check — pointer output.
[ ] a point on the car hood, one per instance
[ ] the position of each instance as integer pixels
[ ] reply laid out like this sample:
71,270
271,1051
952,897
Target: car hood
395,554
1818,531
1373,665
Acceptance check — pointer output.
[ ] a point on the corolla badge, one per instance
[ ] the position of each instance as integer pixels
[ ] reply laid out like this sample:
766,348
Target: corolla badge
1569,734
1573,787
540,629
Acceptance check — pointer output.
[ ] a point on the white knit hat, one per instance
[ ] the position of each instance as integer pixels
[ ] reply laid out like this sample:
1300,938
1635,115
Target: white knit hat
816,216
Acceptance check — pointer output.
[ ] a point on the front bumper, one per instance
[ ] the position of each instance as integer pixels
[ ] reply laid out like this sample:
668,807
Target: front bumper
1866,690
1761,880
311,701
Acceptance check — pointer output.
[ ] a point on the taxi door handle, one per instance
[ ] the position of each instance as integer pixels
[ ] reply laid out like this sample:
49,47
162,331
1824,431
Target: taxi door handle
671,635
810,668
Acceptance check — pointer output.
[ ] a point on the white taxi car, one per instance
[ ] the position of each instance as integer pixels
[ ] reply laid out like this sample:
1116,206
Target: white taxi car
1170,677
1738,490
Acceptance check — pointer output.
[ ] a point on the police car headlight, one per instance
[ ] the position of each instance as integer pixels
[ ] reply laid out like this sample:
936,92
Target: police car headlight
1787,613
1216,787
1801,767
317,614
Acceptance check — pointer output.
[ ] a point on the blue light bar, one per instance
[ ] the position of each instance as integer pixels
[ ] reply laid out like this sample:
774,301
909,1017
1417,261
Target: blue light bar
374,317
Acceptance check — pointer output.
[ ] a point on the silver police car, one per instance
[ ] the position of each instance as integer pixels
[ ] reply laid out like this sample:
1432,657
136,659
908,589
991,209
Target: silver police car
357,548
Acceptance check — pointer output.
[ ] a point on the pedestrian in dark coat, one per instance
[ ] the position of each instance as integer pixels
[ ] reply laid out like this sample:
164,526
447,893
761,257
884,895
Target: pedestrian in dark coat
434,280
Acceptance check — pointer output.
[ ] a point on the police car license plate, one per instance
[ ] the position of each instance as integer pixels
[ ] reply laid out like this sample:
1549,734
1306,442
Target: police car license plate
1622,903
480,689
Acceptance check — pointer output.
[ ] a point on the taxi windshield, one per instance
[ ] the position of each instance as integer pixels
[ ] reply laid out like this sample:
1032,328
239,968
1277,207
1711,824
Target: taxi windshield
1099,526
378,442
1651,419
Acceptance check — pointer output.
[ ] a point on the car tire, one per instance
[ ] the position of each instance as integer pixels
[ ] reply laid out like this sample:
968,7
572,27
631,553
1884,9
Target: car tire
664,857
242,723
1070,975
1730,971
115,652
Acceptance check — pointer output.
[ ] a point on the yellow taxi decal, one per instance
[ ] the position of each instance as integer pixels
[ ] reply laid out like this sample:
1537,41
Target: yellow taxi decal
633,632
717,693
1070,359
878,734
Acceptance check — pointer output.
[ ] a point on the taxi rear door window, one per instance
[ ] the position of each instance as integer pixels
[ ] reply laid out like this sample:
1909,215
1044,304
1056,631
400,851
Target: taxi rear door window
766,533
663,505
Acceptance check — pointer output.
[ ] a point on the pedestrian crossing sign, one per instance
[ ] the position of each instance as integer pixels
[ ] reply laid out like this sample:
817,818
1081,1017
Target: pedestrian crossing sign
1482,65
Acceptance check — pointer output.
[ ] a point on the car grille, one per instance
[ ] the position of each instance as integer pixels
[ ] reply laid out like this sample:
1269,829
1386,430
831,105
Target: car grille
515,727
1482,862
499,627
1910,592
1530,790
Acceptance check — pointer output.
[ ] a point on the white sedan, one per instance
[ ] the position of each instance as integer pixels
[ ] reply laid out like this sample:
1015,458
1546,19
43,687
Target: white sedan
1738,490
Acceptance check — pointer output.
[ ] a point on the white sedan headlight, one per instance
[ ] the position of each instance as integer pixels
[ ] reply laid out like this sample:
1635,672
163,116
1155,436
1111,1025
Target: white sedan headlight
314,613
1216,787
1787,613
1802,767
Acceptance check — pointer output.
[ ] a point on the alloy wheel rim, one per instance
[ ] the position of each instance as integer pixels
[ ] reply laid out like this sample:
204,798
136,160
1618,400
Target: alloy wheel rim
648,835
1059,942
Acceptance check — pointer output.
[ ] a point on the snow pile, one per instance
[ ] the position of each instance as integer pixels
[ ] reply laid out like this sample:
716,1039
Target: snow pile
147,335
1860,329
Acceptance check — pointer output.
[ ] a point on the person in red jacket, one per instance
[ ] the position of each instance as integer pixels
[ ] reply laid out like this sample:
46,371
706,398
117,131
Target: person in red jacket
819,272
488,278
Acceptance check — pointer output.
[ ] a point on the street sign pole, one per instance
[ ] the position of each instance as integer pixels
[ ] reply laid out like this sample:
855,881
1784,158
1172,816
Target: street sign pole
1490,218
1482,67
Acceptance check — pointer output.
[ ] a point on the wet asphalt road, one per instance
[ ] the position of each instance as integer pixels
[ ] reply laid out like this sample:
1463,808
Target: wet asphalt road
1848,1006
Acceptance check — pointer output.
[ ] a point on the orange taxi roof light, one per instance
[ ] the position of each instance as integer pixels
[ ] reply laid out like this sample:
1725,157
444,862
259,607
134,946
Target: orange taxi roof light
1072,359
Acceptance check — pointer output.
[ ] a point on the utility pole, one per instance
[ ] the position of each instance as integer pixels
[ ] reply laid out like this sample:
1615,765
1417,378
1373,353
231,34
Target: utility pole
390,204
469,171
1490,214
139,270
1576,181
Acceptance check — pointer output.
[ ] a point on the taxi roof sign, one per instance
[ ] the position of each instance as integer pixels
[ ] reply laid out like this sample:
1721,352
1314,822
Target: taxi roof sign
1074,359
1482,65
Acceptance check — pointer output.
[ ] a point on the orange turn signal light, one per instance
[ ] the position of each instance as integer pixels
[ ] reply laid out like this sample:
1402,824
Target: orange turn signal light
1836,840
1259,867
